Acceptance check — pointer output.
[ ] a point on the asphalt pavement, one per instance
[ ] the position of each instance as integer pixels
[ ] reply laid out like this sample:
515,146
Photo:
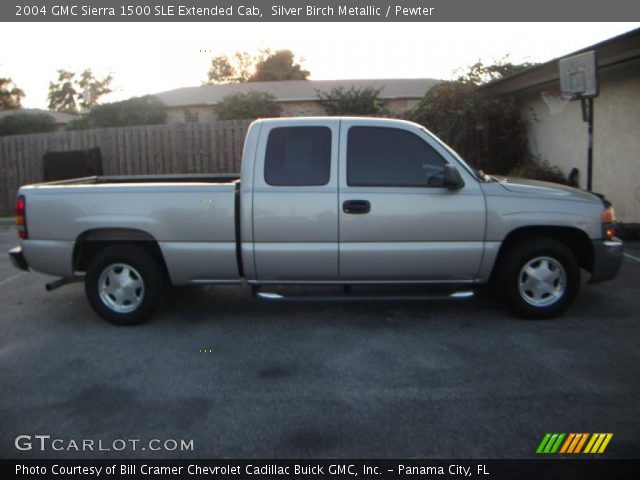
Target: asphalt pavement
237,378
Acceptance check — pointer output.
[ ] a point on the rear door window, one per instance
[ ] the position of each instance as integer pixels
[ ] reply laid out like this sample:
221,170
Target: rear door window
298,156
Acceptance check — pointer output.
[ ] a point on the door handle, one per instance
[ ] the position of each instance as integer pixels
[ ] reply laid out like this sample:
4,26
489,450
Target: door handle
357,207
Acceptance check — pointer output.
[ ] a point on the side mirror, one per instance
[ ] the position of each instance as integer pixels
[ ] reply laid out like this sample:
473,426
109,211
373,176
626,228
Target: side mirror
452,178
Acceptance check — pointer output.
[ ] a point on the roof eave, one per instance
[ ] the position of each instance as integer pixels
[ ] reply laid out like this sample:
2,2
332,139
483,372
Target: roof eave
614,51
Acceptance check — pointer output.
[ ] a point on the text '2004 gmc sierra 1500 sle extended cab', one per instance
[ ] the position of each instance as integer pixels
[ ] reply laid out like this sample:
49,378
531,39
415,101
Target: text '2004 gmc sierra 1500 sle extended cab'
320,201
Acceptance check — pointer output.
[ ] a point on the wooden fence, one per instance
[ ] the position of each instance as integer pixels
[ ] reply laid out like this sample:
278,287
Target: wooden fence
177,148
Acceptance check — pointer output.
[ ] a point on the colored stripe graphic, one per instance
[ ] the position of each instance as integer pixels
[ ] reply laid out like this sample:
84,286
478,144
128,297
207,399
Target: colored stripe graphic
543,443
574,442
581,443
598,443
565,447
550,443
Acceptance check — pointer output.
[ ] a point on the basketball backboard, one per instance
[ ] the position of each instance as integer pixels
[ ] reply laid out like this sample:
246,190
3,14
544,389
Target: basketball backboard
579,75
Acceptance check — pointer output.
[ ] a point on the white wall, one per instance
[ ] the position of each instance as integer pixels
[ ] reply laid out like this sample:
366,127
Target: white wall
562,139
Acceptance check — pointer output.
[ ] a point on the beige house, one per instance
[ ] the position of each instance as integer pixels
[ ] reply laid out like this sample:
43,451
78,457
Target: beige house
60,119
562,139
296,97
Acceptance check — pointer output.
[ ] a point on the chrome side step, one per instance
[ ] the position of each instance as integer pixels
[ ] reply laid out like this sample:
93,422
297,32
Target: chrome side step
276,297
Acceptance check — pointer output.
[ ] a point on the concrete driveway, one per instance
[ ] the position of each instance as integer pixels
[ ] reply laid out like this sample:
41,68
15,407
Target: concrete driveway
245,379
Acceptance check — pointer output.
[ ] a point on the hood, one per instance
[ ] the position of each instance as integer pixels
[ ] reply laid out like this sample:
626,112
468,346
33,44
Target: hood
536,188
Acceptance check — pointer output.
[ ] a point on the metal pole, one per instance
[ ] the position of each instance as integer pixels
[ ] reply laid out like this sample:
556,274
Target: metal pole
590,149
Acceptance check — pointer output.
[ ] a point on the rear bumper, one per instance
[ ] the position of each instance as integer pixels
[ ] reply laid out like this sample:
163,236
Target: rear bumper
17,259
607,259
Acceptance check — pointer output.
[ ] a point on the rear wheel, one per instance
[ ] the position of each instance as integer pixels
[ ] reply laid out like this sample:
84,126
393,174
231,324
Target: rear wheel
124,284
540,278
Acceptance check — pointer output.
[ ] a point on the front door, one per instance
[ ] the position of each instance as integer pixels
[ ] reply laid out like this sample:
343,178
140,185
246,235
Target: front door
397,221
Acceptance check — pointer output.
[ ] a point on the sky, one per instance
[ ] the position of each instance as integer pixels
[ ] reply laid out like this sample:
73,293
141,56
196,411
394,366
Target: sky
147,58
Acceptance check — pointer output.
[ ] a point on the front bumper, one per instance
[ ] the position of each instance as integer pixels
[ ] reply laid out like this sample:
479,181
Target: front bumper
607,259
17,259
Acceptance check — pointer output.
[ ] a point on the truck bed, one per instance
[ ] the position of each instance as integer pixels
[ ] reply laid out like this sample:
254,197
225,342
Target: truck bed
191,217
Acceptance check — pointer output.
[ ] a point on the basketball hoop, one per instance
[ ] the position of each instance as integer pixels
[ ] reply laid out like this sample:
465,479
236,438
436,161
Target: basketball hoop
556,100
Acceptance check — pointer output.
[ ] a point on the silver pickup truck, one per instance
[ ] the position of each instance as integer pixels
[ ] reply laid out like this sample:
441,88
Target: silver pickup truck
320,201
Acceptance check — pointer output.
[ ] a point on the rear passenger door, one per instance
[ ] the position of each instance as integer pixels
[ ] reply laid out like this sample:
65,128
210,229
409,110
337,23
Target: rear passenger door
398,222
295,209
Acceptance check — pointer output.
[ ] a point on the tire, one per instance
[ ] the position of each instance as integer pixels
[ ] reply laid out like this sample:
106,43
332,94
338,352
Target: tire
124,284
539,278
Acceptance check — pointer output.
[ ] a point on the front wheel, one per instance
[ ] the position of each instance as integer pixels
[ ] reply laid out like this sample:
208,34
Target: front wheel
124,284
540,278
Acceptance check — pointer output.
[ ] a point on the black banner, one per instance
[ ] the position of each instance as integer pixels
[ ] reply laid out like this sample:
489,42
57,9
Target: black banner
565,469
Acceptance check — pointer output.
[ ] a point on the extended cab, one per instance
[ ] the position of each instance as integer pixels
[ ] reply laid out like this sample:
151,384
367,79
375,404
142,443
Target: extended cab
321,201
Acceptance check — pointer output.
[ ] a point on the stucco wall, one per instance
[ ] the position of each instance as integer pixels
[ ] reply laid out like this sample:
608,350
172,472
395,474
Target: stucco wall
562,139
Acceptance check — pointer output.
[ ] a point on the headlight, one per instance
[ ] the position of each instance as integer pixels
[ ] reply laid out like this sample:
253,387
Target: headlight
608,219
608,215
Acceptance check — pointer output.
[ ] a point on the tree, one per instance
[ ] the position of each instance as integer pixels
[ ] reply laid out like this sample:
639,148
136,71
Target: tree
264,66
10,95
279,66
221,71
147,110
62,95
354,101
24,123
479,73
234,69
248,106
489,132
68,92
93,87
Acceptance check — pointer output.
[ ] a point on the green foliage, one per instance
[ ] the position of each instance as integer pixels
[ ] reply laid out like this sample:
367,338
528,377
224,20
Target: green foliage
10,95
147,110
249,105
352,101
539,171
24,123
68,92
479,73
279,66
488,132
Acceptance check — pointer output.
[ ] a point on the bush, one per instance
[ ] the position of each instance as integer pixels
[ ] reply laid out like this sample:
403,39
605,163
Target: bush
147,110
25,123
488,132
354,101
250,105
539,171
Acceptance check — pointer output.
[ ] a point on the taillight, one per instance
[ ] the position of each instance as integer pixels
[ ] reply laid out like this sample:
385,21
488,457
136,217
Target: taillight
21,216
608,220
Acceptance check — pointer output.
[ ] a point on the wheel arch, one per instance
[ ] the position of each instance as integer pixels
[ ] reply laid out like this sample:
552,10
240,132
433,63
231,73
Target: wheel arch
574,238
90,242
